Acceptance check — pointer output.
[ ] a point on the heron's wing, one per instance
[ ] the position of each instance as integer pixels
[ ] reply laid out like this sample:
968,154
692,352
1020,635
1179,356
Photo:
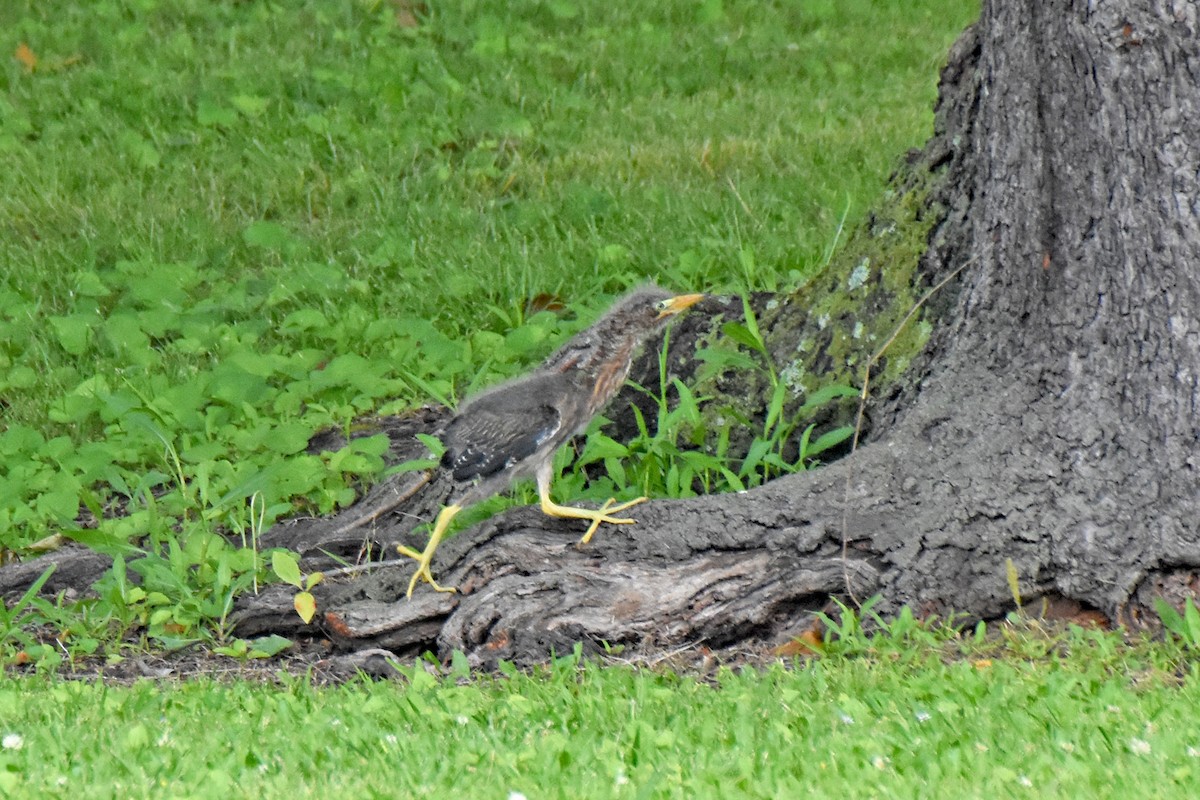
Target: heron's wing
503,427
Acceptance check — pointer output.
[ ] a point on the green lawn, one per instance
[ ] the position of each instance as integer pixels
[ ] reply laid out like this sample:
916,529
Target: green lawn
894,718
226,225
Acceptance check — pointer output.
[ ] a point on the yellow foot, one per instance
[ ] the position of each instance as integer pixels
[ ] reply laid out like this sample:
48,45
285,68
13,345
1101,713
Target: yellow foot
423,560
425,557
602,514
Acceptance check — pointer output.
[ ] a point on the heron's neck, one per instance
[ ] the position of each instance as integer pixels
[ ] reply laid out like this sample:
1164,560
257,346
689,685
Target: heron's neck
593,352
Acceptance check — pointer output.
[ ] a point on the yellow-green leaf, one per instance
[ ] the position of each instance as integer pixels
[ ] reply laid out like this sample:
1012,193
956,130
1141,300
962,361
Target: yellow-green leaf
305,605
286,567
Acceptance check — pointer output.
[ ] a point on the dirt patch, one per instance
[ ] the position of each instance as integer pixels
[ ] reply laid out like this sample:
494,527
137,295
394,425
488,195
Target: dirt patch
316,661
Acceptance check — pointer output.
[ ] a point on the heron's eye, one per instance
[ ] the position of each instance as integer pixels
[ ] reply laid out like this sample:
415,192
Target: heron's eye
663,305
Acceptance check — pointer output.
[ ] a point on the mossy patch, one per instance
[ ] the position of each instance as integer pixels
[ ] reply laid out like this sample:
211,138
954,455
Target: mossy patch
827,331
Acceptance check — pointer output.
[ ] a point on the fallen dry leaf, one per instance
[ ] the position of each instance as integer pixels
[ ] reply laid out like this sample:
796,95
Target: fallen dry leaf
808,643
25,55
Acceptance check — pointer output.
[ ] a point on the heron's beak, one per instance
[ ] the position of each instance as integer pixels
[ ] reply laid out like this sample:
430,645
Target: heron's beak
679,303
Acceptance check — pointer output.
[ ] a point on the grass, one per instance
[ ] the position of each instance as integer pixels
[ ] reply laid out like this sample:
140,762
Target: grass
909,713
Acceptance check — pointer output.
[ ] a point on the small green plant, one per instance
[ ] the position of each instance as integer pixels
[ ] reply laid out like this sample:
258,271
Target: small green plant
14,618
262,647
847,626
776,449
186,587
1185,626
287,568
766,457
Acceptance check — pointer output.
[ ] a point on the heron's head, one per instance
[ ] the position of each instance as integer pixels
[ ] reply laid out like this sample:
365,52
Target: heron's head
643,311
607,347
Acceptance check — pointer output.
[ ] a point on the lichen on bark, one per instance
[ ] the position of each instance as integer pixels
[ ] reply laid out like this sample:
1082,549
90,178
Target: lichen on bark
827,331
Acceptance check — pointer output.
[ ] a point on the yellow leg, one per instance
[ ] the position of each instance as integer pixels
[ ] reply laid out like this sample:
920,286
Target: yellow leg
602,514
424,558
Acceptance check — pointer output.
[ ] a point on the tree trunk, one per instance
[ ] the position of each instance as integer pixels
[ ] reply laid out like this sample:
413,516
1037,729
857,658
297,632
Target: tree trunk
1050,420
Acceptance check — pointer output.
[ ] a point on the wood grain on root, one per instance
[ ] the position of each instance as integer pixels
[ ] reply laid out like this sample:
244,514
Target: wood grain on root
704,571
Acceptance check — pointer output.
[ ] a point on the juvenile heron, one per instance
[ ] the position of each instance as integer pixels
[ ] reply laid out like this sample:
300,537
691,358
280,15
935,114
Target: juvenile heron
513,430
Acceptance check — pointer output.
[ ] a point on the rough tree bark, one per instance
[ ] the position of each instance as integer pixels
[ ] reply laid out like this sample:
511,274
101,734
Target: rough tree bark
1051,419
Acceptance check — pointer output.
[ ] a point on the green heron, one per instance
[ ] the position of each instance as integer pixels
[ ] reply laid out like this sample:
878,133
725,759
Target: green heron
513,430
